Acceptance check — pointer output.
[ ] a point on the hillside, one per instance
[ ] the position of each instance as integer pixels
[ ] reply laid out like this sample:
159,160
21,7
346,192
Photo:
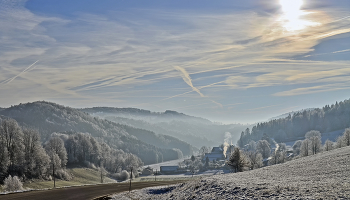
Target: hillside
322,176
327,119
193,130
50,117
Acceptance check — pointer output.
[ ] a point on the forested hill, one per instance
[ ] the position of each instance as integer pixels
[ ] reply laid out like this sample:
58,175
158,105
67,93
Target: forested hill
145,115
50,117
193,130
327,119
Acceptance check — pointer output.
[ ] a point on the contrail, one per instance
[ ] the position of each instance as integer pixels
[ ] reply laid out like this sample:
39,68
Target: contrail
25,70
186,77
219,104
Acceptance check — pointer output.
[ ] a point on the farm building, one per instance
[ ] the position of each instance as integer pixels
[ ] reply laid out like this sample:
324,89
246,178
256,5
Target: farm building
217,153
168,169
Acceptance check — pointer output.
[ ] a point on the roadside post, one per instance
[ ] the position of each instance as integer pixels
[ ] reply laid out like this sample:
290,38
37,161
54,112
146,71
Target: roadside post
130,180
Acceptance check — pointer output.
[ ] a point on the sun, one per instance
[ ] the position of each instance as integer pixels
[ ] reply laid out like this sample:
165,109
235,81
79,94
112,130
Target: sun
291,18
291,6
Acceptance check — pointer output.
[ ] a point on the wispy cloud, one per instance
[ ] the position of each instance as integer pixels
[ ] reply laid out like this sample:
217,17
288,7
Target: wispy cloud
186,77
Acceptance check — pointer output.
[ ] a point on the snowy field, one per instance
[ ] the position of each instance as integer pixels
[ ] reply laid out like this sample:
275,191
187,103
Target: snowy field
323,176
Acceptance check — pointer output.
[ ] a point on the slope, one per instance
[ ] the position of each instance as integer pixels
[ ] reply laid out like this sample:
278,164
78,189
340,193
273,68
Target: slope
322,176
50,117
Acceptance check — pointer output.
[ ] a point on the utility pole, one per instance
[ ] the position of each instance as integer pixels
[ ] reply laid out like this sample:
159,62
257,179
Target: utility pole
101,175
130,180
101,170
53,174
155,175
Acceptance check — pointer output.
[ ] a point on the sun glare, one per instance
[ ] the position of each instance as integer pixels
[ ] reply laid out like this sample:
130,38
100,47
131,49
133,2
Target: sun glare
292,15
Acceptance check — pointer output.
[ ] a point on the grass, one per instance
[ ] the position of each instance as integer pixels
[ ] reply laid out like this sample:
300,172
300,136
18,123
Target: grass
81,176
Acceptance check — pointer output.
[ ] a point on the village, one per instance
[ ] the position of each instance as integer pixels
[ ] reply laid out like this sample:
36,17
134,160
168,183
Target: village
211,163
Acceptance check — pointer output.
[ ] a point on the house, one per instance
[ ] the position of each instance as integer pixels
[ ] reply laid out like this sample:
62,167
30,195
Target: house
147,171
217,153
168,169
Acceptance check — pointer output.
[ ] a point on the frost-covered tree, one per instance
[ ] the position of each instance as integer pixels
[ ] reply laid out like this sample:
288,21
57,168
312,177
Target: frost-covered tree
315,139
328,145
346,137
55,146
12,138
12,184
340,142
238,161
305,147
296,147
203,150
263,147
251,146
4,157
255,158
35,158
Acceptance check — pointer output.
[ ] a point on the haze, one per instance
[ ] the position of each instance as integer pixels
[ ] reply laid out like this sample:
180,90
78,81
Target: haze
228,61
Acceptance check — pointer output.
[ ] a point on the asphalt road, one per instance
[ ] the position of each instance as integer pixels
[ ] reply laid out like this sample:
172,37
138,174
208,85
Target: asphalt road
83,192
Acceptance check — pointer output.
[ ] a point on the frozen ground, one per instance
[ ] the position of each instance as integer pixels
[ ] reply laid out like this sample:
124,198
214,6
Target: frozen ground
185,175
323,176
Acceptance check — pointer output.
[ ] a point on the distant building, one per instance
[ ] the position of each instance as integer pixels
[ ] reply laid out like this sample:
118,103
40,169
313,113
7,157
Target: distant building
217,153
168,169
147,171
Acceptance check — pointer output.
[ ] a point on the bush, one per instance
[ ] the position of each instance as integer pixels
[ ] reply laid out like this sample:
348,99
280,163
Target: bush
12,184
63,175
122,176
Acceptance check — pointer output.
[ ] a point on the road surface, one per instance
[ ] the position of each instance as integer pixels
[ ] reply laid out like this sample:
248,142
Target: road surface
83,192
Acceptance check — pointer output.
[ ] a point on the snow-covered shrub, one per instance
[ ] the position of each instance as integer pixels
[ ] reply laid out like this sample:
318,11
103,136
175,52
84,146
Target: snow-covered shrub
12,184
122,176
63,175
90,165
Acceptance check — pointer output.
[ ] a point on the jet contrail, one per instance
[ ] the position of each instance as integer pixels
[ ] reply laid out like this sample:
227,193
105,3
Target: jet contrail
25,70
186,77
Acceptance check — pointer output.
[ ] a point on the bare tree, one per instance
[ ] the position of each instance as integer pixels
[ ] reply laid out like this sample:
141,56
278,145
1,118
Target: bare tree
304,148
328,145
263,147
315,139
251,146
340,142
296,147
12,137
256,159
35,157
55,146
346,137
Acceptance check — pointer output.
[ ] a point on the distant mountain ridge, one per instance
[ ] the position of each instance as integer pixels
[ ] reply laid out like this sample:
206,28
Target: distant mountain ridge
146,115
193,130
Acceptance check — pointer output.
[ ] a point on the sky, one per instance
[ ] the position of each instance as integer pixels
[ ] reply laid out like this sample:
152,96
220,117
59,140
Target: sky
227,61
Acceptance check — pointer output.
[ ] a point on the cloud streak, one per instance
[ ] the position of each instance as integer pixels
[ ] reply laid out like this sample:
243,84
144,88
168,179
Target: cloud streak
186,77
22,72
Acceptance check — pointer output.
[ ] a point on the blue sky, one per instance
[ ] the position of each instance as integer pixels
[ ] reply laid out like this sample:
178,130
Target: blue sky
228,61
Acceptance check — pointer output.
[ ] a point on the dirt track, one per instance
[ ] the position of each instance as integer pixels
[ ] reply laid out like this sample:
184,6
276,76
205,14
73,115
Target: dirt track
83,192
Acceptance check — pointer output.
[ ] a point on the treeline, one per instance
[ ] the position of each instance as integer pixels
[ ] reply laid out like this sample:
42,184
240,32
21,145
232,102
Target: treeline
258,154
329,118
50,117
23,154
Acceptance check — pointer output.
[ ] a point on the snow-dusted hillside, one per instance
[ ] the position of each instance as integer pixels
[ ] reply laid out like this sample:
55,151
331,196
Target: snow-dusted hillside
322,176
